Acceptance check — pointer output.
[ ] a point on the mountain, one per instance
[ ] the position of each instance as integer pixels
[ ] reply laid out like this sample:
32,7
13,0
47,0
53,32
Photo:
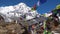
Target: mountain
47,14
10,13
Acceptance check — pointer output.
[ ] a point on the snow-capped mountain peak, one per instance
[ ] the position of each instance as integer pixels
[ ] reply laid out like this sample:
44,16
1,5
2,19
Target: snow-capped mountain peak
17,10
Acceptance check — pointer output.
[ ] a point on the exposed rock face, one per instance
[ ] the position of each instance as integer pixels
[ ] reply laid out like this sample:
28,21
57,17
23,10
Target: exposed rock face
1,18
11,28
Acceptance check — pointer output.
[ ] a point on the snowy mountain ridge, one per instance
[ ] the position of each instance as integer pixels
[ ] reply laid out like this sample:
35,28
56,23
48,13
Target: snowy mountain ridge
16,11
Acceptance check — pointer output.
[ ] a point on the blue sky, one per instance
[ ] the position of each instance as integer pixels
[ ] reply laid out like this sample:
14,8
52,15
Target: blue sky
43,8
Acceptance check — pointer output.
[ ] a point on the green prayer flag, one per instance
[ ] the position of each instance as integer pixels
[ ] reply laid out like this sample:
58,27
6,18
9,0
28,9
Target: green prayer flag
45,31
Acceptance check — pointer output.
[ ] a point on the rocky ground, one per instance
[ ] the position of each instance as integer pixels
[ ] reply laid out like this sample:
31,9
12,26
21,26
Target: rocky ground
57,30
10,28
15,28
